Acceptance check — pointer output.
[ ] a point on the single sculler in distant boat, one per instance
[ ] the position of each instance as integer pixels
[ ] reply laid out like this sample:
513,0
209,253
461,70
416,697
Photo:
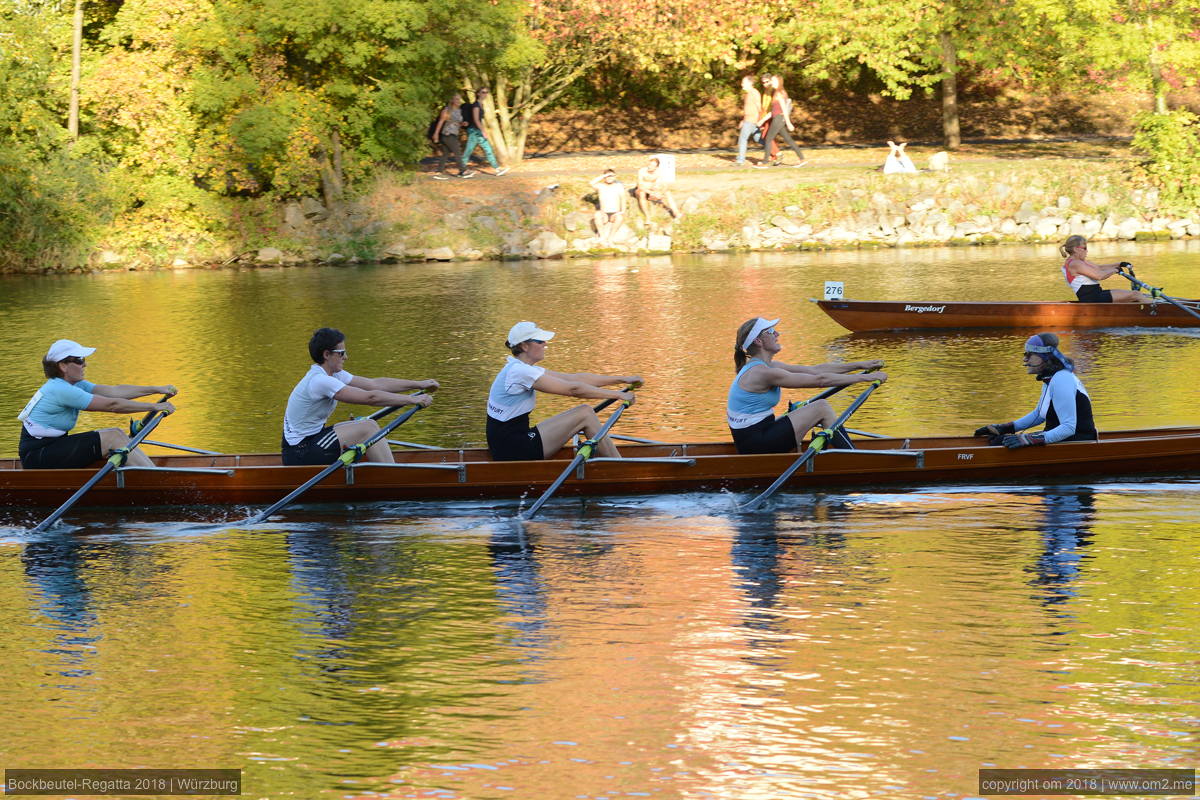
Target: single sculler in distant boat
1083,277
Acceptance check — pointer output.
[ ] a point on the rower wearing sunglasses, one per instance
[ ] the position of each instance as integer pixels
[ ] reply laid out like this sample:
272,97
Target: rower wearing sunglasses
756,390
307,438
513,395
46,421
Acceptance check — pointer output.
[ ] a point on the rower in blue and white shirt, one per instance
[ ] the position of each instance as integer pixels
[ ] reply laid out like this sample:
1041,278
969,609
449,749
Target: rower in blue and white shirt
53,411
756,390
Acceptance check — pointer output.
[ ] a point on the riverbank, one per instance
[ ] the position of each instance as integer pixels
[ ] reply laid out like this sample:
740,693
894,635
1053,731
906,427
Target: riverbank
987,193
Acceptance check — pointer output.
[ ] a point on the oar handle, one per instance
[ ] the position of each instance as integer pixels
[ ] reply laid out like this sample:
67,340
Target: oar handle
633,387
134,427
357,451
383,412
1155,292
828,393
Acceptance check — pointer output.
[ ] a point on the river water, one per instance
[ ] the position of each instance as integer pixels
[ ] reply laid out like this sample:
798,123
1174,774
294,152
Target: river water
856,644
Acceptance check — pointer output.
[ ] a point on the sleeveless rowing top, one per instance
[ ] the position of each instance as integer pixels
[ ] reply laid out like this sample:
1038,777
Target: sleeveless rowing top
1075,279
746,408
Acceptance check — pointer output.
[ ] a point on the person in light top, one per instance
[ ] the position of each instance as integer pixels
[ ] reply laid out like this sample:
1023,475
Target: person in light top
307,438
46,421
1064,406
513,396
755,391
1084,277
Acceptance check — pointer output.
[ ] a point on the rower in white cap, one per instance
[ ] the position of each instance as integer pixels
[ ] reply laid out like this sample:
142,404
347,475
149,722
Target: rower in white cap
46,421
512,397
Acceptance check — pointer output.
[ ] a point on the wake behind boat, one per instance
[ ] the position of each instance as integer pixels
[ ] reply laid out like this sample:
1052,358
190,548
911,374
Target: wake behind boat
470,474
874,315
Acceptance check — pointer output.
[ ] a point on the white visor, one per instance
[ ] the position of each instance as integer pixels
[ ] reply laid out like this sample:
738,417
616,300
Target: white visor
759,326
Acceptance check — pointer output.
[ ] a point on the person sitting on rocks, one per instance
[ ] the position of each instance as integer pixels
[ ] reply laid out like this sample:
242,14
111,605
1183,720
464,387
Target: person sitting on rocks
612,199
1084,277
897,160
652,188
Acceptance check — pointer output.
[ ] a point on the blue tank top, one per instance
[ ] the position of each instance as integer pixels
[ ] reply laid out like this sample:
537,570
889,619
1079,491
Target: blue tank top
746,408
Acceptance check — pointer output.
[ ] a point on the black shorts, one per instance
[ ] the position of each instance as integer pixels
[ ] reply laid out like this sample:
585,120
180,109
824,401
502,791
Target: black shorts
1092,293
72,451
768,435
321,448
514,440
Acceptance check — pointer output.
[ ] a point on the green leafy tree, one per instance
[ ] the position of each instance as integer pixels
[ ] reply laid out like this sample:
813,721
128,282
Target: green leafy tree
300,95
1149,45
915,45
557,42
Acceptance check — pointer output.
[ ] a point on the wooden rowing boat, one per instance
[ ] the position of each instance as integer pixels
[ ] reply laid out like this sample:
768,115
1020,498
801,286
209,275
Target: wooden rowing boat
871,315
648,468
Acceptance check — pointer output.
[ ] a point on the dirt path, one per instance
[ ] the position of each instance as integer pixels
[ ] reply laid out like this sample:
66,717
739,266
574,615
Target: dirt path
715,170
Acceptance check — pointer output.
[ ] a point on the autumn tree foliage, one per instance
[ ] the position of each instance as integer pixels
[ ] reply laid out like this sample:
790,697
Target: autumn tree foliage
557,42
914,45
1148,45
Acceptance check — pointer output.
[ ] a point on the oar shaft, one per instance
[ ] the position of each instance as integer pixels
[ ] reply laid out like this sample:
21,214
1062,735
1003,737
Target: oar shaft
601,406
584,453
815,447
1156,292
150,422
348,456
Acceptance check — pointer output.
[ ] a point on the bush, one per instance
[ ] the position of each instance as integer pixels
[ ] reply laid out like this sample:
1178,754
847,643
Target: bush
1170,144
51,211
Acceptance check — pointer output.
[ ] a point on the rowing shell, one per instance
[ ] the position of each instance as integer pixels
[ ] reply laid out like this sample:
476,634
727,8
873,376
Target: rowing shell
869,315
470,474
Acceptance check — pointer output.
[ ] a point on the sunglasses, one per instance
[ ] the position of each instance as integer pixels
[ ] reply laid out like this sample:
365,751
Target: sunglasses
538,341
339,353
74,360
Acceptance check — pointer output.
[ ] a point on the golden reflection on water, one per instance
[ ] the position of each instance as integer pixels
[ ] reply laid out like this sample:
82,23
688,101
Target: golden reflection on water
842,645
234,342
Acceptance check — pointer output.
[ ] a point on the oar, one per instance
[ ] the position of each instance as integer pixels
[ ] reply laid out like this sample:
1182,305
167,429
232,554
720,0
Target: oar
601,406
147,424
825,395
349,456
584,453
818,442
1154,292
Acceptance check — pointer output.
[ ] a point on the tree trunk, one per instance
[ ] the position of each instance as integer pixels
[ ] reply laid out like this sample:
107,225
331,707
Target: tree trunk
1159,85
950,129
76,59
330,171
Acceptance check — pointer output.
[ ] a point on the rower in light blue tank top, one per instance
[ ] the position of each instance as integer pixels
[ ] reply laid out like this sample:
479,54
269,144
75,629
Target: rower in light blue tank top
746,408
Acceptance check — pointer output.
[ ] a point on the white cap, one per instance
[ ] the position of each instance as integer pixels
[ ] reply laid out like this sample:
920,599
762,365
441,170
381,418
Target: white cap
759,326
65,348
524,331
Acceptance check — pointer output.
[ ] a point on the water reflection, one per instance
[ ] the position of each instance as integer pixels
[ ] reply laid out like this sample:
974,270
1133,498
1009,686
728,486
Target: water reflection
520,589
1066,530
55,567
